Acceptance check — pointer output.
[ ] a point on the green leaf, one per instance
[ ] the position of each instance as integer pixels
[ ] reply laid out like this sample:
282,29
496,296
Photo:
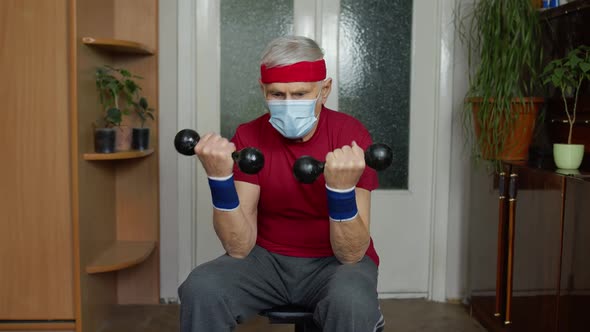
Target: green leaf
143,103
573,60
114,116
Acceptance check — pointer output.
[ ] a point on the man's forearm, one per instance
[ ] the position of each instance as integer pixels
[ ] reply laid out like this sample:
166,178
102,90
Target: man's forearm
350,240
234,231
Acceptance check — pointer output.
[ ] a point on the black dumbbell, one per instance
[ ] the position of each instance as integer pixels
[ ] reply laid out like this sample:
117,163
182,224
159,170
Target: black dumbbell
250,160
307,169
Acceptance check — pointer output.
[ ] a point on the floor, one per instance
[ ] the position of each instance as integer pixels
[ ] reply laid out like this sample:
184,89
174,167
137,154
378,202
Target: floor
400,316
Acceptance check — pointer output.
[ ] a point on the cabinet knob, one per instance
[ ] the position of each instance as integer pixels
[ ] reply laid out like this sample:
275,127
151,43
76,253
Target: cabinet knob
512,186
502,184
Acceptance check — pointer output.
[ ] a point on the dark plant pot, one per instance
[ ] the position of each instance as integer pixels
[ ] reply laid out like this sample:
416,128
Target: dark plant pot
140,138
104,140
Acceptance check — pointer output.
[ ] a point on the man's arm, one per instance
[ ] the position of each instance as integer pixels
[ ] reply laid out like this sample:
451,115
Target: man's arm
348,206
237,229
351,239
234,203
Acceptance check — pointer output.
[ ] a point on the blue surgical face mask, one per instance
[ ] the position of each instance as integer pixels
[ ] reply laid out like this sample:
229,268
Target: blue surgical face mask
293,118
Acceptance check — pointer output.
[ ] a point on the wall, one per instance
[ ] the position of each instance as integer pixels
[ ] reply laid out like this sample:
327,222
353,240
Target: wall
168,157
458,213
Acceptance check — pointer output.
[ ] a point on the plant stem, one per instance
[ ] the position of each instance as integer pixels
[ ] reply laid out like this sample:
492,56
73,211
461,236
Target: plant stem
567,112
573,119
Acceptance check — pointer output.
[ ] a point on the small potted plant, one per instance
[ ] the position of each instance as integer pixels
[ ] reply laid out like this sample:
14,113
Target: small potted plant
567,74
141,136
116,88
109,88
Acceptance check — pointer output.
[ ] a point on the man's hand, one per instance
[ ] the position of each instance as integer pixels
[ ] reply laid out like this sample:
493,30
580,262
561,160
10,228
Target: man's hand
344,166
214,152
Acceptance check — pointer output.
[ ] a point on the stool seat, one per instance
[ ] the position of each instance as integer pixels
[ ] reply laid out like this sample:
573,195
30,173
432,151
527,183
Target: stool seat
290,314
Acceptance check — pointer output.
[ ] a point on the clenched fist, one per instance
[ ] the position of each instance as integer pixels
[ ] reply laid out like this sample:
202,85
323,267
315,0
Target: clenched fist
215,152
344,166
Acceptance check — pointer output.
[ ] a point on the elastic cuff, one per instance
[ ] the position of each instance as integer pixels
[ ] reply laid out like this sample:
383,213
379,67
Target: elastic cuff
344,220
214,178
223,193
340,190
341,204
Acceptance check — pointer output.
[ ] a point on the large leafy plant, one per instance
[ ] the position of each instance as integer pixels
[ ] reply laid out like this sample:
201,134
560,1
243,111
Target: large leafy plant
502,39
117,90
567,74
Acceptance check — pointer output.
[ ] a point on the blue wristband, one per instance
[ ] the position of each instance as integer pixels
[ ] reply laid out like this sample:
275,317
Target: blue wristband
341,204
223,193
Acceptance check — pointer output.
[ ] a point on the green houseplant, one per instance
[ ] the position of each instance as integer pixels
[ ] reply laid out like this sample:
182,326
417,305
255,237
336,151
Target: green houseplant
116,89
567,74
502,41
141,136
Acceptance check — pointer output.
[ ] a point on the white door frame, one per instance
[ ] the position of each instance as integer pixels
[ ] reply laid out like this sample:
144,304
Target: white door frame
198,25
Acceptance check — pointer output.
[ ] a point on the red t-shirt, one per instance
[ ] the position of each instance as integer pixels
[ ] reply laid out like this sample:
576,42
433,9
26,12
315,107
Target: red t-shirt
292,216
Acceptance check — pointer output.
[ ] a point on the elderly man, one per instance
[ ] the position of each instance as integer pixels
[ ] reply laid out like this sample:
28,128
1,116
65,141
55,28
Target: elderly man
287,242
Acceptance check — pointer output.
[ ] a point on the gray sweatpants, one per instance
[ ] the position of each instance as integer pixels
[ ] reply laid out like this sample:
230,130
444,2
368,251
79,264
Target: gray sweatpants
224,292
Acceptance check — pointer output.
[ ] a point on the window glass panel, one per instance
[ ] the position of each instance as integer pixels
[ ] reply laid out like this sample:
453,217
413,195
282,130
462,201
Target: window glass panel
374,75
246,27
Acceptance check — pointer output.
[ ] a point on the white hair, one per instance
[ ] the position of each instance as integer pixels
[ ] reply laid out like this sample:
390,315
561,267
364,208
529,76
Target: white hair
287,50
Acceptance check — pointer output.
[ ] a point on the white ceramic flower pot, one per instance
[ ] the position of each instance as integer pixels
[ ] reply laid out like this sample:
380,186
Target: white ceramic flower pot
568,156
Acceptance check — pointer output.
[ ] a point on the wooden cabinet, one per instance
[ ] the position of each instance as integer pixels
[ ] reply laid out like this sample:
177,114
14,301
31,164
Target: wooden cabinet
79,230
574,292
528,232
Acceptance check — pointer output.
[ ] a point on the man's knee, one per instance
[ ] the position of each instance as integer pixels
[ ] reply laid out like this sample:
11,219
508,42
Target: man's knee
351,288
350,300
201,285
352,296
354,279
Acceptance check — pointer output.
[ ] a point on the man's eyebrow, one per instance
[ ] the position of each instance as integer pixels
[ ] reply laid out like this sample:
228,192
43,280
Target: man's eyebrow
301,90
274,91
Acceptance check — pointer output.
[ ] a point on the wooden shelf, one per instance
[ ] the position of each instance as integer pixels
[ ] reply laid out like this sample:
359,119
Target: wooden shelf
565,9
121,255
118,155
119,46
37,326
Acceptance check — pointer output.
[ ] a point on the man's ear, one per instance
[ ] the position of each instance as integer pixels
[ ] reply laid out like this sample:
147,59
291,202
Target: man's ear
326,89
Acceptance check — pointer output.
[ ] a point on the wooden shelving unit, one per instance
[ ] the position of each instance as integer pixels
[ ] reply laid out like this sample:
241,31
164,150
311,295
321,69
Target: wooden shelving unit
121,255
99,239
118,193
118,46
118,155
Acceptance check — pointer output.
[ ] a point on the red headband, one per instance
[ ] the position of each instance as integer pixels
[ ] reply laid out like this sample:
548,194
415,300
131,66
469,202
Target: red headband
304,71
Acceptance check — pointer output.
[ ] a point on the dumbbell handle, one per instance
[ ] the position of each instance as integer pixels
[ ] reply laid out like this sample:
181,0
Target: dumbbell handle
377,156
250,160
